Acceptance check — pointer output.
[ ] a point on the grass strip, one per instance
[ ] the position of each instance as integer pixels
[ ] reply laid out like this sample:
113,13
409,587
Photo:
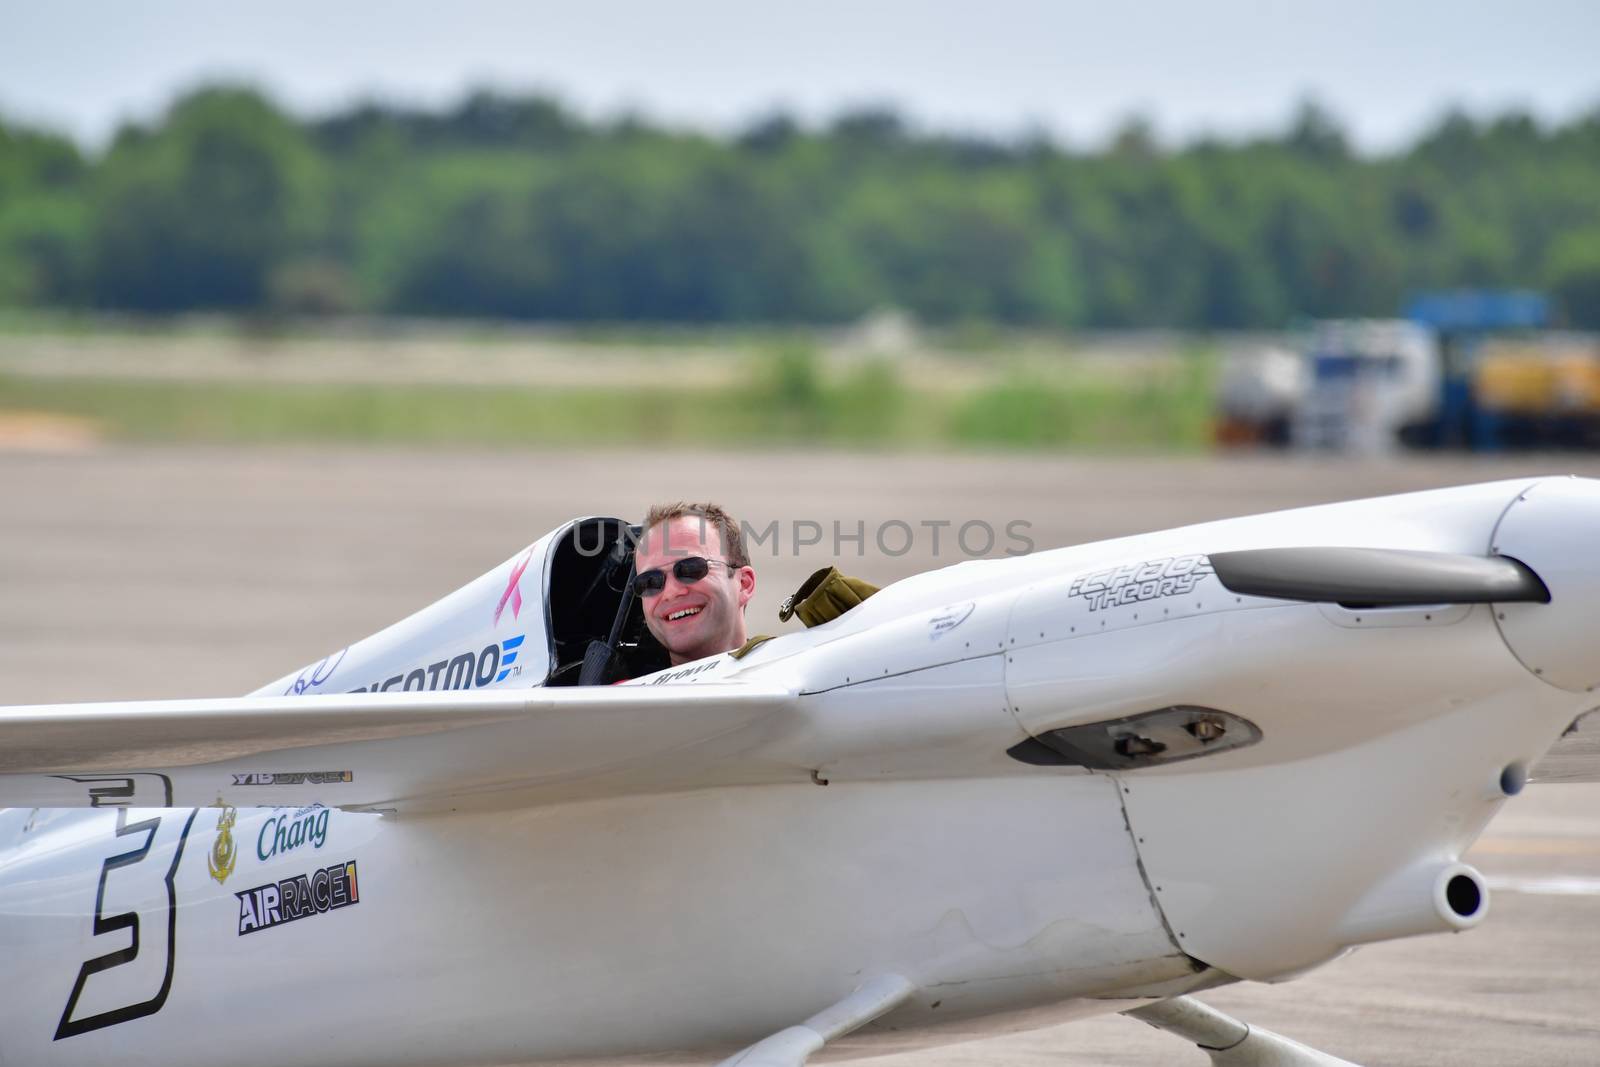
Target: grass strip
784,402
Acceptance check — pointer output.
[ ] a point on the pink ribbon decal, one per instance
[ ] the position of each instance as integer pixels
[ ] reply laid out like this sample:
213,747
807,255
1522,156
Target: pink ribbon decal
513,592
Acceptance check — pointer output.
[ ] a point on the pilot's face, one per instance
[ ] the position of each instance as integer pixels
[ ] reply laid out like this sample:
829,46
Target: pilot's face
693,619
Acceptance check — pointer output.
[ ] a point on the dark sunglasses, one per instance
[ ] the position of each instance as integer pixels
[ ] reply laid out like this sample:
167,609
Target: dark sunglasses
687,570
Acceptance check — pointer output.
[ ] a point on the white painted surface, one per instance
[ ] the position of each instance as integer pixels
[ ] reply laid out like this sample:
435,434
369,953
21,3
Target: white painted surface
612,926
1552,528
491,632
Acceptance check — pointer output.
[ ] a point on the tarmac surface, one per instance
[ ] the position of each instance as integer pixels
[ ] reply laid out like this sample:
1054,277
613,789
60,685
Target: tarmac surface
164,572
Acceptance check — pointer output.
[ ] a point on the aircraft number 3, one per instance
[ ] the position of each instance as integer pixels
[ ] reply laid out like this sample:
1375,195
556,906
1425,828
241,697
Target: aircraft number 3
135,907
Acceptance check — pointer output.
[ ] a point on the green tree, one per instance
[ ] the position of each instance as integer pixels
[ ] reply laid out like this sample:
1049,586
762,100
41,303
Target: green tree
1573,275
199,212
43,219
43,251
512,205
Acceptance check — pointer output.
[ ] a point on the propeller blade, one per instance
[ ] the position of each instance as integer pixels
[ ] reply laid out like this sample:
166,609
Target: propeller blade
1377,577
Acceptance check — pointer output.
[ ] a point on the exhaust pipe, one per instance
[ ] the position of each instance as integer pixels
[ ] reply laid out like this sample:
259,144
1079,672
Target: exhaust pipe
1419,900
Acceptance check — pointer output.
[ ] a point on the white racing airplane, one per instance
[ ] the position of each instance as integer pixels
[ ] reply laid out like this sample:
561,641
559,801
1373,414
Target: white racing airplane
1096,779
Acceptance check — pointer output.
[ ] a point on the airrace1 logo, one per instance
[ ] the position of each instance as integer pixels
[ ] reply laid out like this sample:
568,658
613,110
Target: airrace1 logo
299,897
469,670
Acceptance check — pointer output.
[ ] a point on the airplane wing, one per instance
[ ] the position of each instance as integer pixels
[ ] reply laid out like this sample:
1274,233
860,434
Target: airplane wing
1575,757
384,751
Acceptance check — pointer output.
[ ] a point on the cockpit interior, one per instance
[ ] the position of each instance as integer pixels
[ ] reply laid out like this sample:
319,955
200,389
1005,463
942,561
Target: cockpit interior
591,606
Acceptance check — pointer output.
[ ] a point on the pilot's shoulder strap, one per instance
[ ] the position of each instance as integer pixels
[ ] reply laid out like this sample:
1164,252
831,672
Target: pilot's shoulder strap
825,595
750,646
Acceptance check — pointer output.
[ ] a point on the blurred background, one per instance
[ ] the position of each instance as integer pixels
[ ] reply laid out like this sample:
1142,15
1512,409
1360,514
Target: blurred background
1034,226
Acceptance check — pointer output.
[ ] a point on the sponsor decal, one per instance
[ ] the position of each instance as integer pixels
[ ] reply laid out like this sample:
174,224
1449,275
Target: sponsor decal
131,977
948,620
294,778
686,672
513,591
315,675
1136,582
508,657
469,670
224,855
138,790
287,830
323,890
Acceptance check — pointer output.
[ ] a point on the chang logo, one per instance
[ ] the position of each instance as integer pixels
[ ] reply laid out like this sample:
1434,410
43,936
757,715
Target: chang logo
287,831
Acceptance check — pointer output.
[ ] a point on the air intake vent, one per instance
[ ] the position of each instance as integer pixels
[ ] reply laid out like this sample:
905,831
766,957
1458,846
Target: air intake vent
1166,735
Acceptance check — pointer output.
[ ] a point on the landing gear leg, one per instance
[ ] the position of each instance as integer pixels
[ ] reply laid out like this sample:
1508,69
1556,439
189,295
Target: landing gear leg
793,1046
1229,1042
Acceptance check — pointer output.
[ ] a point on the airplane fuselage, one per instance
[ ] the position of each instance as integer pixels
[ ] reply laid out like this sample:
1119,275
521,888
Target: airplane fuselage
604,926
512,901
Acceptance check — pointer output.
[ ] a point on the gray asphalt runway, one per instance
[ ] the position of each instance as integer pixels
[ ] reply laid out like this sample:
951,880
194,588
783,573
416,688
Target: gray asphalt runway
129,573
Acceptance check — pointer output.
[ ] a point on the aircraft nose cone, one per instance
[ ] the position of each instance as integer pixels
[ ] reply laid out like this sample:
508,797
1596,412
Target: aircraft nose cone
1554,528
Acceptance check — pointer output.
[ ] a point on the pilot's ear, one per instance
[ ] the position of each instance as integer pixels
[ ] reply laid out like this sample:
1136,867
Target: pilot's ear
747,584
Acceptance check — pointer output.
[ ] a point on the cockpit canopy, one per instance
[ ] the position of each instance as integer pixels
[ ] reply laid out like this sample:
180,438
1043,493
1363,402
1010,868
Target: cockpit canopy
528,622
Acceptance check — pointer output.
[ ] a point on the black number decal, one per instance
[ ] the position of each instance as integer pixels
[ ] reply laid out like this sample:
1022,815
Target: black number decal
128,920
140,789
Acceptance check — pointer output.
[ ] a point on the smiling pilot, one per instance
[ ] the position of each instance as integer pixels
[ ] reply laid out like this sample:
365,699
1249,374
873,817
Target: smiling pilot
694,579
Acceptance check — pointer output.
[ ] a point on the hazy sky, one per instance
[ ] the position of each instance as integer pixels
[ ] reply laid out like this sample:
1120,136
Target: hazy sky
1386,67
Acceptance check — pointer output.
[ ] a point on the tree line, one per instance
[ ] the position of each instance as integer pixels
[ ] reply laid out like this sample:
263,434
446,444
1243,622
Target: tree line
515,207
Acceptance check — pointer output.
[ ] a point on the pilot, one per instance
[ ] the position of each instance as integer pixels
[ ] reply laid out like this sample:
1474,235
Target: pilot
693,578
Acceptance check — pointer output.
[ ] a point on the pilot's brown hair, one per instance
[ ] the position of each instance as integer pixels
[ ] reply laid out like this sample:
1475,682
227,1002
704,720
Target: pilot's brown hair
732,539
